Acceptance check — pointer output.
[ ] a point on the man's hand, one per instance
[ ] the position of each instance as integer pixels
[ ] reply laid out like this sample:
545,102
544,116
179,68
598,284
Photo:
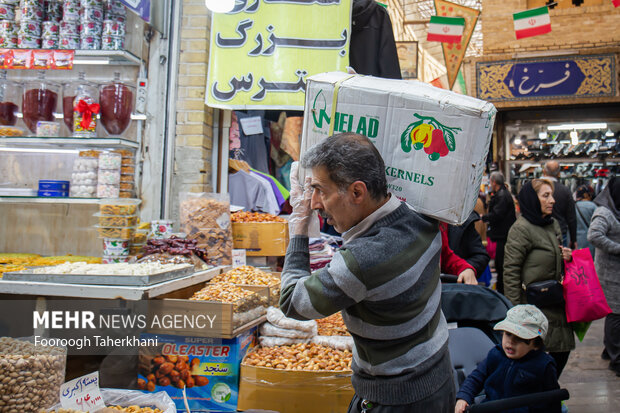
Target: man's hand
567,253
461,405
300,201
468,277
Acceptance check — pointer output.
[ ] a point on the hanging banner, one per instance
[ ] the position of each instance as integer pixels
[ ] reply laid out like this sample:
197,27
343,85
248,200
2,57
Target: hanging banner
454,53
262,51
141,7
545,78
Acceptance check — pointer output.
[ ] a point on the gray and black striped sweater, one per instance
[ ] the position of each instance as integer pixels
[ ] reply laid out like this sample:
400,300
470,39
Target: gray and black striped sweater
386,282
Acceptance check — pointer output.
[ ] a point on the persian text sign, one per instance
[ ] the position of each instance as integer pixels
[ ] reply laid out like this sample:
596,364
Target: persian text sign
579,76
263,50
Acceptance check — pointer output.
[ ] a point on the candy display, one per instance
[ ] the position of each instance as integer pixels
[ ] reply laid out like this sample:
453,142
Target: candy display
102,269
47,129
118,206
110,160
80,106
107,191
10,98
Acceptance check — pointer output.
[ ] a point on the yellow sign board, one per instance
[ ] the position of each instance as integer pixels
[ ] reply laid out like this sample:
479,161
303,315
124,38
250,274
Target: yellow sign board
262,51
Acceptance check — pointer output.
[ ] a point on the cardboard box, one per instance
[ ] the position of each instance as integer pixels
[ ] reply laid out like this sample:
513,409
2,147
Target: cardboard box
261,238
215,360
434,142
287,391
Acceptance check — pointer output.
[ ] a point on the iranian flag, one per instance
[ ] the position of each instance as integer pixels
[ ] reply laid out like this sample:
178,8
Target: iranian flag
445,29
532,22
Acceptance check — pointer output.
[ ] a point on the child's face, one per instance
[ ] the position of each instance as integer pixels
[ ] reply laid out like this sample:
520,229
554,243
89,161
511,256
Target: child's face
516,347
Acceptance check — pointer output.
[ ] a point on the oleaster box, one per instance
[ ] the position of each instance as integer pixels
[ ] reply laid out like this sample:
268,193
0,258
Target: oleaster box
207,367
434,142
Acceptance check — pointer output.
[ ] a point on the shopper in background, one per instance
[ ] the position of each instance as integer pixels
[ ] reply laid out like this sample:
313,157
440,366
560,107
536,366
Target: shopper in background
518,367
451,263
385,279
465,241
500,218
604,234
564,208
584,208
534,252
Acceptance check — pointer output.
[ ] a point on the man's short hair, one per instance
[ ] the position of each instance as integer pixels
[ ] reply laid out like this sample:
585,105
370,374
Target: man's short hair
498,178
552,168
349,157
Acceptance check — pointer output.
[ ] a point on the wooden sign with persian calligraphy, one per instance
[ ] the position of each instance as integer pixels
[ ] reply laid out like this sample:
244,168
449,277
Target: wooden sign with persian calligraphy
454,53
546,78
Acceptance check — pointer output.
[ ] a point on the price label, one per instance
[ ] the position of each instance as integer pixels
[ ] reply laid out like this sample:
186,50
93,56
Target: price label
238,258
82,393
252,126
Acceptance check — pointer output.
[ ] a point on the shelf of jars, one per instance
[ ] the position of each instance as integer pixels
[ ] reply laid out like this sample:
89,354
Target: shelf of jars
106,57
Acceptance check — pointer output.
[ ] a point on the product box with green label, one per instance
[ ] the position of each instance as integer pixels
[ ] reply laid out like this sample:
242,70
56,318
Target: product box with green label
434,142
208,368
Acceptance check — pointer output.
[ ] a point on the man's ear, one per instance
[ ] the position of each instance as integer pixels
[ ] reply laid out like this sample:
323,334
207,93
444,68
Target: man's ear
358,191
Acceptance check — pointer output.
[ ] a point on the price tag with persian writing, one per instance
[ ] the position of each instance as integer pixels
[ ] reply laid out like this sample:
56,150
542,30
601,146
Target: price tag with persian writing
82,393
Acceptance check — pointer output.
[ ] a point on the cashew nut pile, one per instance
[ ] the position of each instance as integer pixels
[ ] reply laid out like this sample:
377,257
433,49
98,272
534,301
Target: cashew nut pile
30,376
302,356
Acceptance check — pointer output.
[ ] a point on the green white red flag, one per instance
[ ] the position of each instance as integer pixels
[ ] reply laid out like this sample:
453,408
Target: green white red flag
445,29
532,22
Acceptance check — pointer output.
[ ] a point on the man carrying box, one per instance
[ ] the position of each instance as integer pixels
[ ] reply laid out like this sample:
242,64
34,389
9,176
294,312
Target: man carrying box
385,279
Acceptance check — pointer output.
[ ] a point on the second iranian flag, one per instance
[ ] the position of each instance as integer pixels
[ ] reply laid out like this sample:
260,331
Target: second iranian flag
532,22
445,29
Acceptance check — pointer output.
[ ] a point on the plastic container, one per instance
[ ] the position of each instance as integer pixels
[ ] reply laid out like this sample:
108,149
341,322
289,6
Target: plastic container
110,160
117,102
53,194
10,100
55,185
115,247
161,229
107,191
119,206
117,220
83,191
115,232
40,100
110,259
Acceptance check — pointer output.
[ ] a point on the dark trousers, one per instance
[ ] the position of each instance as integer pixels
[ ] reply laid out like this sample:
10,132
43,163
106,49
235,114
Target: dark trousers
612,340
499,265
561,358
442,401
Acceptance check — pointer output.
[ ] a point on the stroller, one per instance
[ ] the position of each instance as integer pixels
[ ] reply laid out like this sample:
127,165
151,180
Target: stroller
475,310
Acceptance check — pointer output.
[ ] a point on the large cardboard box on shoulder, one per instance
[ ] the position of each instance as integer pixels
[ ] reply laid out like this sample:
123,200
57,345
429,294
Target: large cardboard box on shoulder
434,142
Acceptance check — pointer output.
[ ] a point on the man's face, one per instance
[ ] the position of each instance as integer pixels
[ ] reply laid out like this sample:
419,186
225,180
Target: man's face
333,205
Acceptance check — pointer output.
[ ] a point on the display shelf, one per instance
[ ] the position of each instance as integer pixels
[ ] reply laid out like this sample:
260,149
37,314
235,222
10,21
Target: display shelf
46,200
563,160
105,291
103,57
36,142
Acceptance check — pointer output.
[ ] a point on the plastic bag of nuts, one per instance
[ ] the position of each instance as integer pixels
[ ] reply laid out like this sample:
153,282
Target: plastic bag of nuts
131,401
205,217
30,376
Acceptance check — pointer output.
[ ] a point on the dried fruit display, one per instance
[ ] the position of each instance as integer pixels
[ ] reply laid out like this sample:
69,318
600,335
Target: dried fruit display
171,370
175,246
244,216
332,326
303,356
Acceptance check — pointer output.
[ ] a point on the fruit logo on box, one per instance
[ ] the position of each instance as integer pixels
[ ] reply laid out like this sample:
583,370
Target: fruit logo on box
426,133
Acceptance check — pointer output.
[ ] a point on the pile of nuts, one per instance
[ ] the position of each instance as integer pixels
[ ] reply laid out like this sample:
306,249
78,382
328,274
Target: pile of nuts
30,376
243,216
246,275
302,356
332,326
171,370
223,292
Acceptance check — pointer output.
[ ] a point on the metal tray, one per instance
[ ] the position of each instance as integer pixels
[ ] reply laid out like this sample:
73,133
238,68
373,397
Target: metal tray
89,279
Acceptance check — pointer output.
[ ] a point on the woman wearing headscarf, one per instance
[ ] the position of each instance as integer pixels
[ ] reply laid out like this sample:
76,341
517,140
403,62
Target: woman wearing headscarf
604,234
534,253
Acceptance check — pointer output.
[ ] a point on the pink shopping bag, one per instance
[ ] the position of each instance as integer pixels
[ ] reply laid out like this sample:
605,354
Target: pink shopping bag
583,294
491,248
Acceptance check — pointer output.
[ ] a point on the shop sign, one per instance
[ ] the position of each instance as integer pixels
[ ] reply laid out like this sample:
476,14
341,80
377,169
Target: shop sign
546,78
262,51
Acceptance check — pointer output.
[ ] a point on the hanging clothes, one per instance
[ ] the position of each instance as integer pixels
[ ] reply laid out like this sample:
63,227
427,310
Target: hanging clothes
254,149
251,192
271,206
373,49
280,192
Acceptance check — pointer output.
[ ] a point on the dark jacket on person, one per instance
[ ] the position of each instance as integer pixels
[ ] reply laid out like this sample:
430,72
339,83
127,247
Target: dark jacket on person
373,50
467,244
501,215
564,210
501,377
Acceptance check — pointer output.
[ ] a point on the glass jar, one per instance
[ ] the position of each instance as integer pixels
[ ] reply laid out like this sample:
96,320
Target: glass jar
10,99
39,101
76,114
117,100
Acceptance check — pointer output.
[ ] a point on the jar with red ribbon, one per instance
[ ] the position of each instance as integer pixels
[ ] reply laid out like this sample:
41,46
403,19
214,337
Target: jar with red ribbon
80,105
